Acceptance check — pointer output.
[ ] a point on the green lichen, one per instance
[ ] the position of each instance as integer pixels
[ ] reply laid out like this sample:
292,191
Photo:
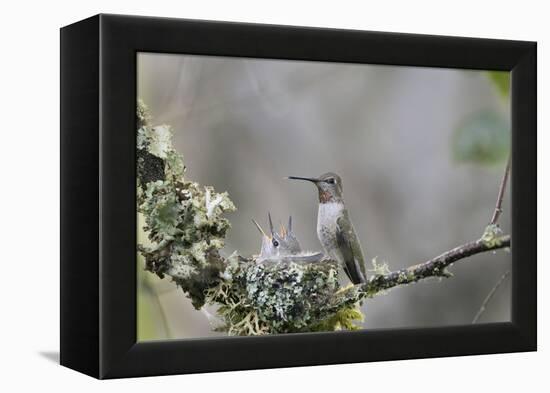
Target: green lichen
183,220
347,318
142,114
491,236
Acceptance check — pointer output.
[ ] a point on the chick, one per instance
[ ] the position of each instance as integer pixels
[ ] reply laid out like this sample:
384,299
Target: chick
283,245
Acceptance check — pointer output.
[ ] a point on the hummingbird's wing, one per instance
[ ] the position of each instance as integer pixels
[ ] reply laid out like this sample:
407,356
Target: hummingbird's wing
354,264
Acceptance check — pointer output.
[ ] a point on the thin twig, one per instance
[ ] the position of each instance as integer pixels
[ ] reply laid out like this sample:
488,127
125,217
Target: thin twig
500,197
435,267
490,296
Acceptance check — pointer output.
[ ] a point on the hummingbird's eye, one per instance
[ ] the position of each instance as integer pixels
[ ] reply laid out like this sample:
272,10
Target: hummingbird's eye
330,181
275,243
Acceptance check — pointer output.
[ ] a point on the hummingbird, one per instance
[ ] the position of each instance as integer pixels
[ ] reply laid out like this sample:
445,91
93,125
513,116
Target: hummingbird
334,227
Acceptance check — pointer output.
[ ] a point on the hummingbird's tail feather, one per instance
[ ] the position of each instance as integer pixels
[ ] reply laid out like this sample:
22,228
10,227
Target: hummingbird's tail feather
353,259
355,274
352,270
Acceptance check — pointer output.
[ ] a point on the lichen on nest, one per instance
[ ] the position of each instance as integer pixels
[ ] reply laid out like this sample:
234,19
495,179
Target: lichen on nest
282,296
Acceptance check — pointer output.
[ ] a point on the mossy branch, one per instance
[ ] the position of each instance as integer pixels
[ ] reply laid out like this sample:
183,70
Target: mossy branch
186,228
435,267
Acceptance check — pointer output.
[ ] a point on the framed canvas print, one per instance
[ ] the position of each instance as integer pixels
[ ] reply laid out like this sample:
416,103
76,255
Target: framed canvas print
238,196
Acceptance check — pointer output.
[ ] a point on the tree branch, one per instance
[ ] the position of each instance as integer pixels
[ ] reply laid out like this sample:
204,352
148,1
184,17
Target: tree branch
500,197
435,267
186,228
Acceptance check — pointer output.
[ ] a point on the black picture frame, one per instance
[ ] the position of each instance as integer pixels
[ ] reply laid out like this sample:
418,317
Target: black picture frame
98,192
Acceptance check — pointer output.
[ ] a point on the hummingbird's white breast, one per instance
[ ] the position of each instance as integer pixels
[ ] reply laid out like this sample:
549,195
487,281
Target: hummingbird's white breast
327,227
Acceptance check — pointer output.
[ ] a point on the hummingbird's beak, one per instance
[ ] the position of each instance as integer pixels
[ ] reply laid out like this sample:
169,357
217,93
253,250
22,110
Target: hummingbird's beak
311,179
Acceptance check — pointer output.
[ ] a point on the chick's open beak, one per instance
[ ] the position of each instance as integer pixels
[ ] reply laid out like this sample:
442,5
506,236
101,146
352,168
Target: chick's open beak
259,228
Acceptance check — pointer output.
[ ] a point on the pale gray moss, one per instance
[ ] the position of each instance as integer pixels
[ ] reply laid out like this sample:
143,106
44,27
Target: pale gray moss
184,220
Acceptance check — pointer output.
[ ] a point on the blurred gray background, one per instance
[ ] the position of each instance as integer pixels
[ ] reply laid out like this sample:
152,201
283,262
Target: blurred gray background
244,124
